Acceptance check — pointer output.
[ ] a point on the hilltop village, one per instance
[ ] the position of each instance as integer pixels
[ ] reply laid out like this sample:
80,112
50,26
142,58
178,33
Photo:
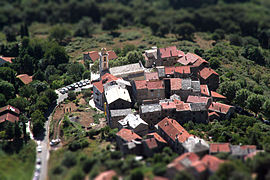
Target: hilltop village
149,105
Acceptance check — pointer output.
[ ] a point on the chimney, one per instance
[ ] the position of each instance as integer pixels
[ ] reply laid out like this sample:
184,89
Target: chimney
172,120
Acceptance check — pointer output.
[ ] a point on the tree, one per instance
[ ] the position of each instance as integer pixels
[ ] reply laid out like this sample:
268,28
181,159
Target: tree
51,95
136,175
19,102
7,74
184,30
10,33
55,55
7,89
85,27
183,175
255,102
27,91
254,53
71,95
229,88
134,57
76,70
59,33
214,62
38,120
2,100
87,75
241,97
266,108
39,75
159,169
110,22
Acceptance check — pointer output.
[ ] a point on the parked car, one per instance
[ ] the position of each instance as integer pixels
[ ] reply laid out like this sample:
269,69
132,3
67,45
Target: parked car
38,161
84,84
76,86
39,149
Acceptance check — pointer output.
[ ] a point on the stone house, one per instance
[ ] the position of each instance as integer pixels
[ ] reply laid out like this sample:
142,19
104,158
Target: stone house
200,99
115,115
204,90
128,141
151,113
149,90
25,78
223,110
216,148
8,114
133,71
210,77
135,123
173,133
196,145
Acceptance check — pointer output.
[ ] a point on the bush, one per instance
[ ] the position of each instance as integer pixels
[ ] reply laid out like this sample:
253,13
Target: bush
58,170
69,159
71,95
159,169
88,164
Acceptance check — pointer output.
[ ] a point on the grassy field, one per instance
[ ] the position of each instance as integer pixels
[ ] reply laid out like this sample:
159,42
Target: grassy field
18,166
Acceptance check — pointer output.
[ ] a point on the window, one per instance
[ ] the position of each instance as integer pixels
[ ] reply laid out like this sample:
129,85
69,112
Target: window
104,58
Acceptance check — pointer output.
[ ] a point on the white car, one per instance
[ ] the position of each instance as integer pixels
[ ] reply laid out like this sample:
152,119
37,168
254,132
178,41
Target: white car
39,149
38,161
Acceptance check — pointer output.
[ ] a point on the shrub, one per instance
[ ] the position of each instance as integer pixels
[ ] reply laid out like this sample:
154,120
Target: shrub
71,95
69,159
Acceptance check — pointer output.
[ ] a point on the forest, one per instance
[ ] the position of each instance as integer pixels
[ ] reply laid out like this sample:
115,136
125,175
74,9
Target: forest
47,37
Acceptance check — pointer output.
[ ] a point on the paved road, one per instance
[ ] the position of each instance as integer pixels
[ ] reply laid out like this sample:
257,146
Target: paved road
44,139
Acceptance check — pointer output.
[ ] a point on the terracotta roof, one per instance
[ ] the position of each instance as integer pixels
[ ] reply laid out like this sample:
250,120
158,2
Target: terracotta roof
183,106
213,114
107,175
151,143
173,129
212,162
168,52
128,135
252,154
205,90
151,76
250,147
188,59
157,137
183,69
168,105
199,166
184,161
25,78
99,86
199,62
143,84
180,53
8,117
176,83
219,147
10,108
207,72
106,78
198,99
7,59
169,70
95,56
217,95
220,107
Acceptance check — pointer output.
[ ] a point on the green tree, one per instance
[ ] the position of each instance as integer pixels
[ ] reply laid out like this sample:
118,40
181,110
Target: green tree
87,75
255,102
59,33
55,55
71,95
19,102
110,22
2,100
136,175
184,30
27,91
38,120
183,175
51,95
76,70
134,57
39,75
254,53
266,108
7,89
7,74
229,89
85,27
241,97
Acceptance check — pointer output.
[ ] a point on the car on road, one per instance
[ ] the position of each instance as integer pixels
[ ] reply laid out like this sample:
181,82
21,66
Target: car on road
38,161
38,167
76,86
39,149
84,84
62,91
81,84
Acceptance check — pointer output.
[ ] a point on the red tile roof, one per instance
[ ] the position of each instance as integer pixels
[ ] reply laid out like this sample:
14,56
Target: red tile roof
107,175
168,52
169,70
219,147
99,86
8,117
176,83
25,78
205,90
188,159
183,106
189,58
219,107
151,143
212,162
95,56
173,129
10,108
157,137
106,78
198,99
168,105
183,69
7,59
253,147
205,73
180,53
143,84
128,135
213,114
199,166
151,76
217,95
252,154
199,62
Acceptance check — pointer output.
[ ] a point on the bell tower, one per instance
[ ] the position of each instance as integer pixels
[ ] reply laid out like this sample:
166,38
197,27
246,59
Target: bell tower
103,61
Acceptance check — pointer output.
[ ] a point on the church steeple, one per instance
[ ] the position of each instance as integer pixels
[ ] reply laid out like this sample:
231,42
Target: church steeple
103,61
